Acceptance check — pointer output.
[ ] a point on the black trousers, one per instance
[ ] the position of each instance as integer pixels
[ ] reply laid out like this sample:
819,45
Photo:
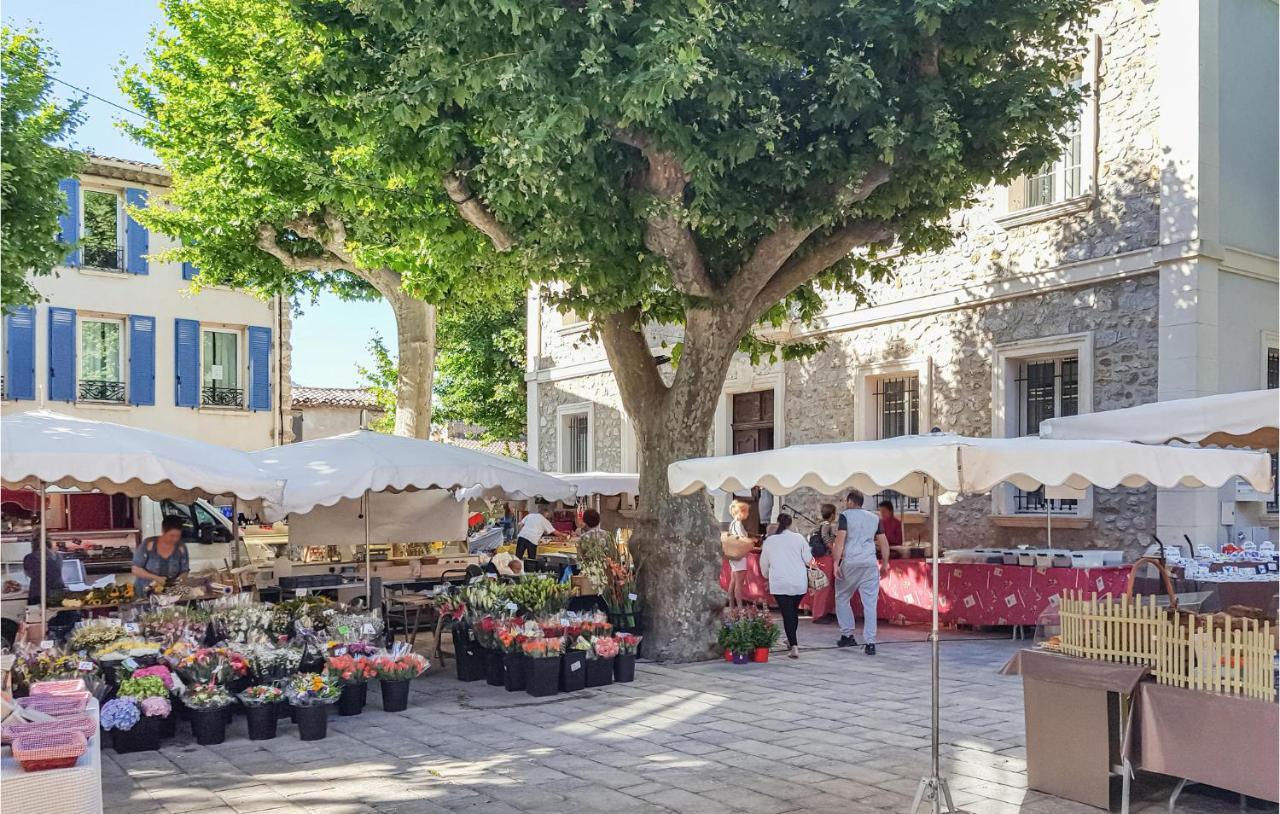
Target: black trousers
526,550
789,606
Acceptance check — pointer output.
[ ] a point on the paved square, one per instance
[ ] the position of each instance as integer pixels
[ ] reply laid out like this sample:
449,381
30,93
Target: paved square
835,731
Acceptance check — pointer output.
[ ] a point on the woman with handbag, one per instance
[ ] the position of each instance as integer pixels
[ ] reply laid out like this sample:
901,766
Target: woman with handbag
736,544
785,561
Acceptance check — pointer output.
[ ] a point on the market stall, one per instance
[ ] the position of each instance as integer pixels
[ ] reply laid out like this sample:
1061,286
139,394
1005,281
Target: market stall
942,465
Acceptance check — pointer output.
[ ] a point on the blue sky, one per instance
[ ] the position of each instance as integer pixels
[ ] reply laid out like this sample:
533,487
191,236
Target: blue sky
91,37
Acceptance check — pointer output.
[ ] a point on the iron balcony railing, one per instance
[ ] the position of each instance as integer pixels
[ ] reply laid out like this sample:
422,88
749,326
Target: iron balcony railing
213,396
94,390
103,256
1036,503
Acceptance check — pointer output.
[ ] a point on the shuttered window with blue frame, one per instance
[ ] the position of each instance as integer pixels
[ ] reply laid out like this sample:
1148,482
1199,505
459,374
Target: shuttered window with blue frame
186,363
69,220
189,271
142,360
20,353
137,240
259,368
62,354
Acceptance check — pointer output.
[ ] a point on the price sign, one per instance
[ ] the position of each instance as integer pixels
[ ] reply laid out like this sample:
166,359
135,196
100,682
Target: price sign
340,651
511,606
131,627
632,597
130,664
575,667
85,666
368,629
46,644
344,630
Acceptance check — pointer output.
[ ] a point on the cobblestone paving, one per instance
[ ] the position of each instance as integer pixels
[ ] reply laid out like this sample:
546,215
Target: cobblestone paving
835,731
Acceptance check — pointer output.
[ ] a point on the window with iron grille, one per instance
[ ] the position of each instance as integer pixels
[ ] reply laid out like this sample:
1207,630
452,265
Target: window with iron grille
101,230
1047,388
577,431
1063,179
1273,368
897,405
220,363
101,361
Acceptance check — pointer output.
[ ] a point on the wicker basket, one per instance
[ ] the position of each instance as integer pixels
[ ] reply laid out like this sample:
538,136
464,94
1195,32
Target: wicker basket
84,724
70,704
62,687
735,548
56,750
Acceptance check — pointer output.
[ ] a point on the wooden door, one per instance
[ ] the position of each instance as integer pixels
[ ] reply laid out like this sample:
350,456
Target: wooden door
752,422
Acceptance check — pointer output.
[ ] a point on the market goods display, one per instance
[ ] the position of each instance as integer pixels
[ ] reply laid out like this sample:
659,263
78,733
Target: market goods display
747,634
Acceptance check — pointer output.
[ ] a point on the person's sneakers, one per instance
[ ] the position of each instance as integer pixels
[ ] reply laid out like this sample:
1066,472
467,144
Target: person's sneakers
795,652
870,650
847,641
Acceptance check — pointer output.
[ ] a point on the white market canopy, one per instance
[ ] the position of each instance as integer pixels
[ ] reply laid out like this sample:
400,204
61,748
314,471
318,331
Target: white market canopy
1250,419
82,454
959,464
601,483
327,470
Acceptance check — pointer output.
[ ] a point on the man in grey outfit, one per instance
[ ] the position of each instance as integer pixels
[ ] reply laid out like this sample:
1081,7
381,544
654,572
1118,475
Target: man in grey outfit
854,555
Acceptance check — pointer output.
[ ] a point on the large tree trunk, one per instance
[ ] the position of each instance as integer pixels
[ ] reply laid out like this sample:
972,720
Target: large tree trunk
416,355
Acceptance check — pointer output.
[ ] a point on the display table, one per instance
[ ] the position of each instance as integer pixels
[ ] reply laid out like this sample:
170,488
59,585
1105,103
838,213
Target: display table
76,790
1261,594
969,594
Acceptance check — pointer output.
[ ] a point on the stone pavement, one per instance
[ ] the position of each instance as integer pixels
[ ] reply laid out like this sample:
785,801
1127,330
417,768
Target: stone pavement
835,731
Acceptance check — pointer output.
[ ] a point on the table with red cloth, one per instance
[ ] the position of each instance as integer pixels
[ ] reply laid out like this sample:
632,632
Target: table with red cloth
970,594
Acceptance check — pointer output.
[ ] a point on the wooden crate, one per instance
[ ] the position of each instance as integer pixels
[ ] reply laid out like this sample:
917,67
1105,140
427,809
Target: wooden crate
1232,657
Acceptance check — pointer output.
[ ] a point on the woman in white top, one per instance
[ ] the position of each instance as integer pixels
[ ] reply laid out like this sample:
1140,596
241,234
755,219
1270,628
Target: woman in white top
532,529
738,511
784,560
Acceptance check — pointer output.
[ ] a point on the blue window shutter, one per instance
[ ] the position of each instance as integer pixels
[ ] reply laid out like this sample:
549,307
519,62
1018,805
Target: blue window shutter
186,363
62,354
20,352
69,221
137,241
259,368
189,271
142,360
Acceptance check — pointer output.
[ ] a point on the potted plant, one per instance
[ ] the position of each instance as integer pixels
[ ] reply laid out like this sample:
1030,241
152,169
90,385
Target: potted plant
208,705
740,642
261,703
152,696
624,665
764,635
131,731
352,673
511,639
724,640
573,663
311,694
169,723
542,665
394,674
600,661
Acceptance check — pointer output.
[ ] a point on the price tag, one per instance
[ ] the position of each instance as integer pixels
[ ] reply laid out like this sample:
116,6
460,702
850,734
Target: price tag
340,651
85,666
45,644
511,606
368,629
575,667
344,630
131,627
632,597
130,664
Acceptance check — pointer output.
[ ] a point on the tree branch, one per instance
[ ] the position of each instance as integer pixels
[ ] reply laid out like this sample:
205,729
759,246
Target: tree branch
474,211
269,241
664,234
825,252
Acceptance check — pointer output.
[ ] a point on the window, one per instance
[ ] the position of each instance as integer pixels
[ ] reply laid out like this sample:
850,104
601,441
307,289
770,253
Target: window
101,360
1273,368
1048,388
220,380
101,232
574,453
1063,179
897,413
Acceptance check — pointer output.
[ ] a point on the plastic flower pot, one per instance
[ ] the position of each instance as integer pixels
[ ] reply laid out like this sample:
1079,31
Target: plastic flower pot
573,670
262,722
514,678
351,701
728,655
283,709
313,721
143,737
168,725
624,667
209,725
740,658
760,654
599,672
494,668
467,655
541,677
395,695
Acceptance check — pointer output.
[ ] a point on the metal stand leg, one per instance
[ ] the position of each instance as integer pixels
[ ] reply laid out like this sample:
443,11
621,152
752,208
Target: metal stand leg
1173,798
937,793
1125,783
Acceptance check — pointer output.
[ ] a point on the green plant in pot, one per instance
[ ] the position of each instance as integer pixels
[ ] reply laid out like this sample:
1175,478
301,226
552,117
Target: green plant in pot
764,634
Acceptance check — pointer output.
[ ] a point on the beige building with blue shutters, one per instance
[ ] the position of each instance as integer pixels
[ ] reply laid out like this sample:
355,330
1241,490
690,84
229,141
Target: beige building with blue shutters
121,337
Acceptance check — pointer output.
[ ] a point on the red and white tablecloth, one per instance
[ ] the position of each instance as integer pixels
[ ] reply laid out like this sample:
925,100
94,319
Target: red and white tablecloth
969,594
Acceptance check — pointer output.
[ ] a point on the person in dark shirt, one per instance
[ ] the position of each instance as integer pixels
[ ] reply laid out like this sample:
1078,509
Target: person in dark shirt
53,571
889,524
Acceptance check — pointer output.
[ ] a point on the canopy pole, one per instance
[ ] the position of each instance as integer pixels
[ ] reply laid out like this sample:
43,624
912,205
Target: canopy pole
235,537
44,565
934,788
368,559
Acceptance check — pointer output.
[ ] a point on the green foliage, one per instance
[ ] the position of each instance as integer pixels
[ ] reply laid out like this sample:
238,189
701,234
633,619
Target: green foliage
480,360
32,164
380,380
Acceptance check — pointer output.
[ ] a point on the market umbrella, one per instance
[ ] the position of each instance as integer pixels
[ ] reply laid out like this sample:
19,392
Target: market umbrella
43,448
940,463
357,464
601,483
1249,419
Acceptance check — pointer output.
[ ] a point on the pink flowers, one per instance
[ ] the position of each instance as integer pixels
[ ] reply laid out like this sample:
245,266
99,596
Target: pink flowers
350,669
159,671
156,707
399,668
606,647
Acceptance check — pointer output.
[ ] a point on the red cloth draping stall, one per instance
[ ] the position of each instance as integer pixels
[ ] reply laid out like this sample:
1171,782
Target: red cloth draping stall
969,594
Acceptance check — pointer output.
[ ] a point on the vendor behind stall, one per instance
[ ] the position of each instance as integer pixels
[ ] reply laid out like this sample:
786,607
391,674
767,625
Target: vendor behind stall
163,558
533,528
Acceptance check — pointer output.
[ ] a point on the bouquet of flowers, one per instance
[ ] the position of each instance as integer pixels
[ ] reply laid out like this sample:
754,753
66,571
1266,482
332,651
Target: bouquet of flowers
145,687
156,706
580,643
354,627
350,669
311,689
596,626
175,622
212,665
123,648
484,597
551,629
243,622
538,594
449,607
352,649
159,671
261,695
267,661
606,647
120,713
486,630
510,638
207,696
628,643
305,610
93,634
549,648
399,668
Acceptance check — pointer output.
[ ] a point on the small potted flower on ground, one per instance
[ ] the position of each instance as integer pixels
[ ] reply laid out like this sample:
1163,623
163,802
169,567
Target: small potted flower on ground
624,666
353,674
764,635
542,665
311,695
394,674
261,703
130,730
208,704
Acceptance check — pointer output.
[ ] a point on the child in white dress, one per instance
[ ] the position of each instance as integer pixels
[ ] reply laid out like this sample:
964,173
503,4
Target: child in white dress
738,511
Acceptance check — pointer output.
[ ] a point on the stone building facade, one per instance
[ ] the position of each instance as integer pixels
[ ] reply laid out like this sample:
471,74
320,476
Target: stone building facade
1140,267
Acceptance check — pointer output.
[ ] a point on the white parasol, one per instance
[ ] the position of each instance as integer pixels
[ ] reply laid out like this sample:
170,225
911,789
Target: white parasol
1249,419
